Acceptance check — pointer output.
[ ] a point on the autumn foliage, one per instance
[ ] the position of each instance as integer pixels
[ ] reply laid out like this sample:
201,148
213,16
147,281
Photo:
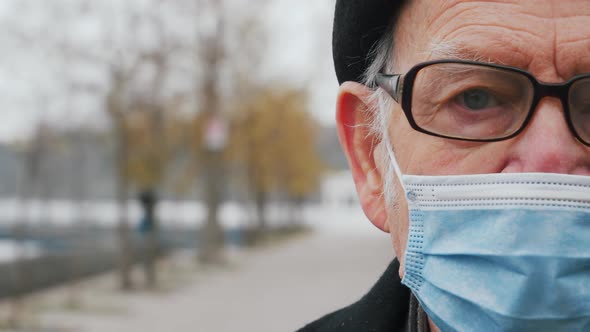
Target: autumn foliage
273,140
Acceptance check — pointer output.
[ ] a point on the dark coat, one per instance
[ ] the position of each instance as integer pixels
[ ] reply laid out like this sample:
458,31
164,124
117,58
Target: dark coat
384,308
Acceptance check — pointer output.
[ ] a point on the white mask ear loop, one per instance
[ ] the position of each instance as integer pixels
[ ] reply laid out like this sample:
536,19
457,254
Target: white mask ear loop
393,160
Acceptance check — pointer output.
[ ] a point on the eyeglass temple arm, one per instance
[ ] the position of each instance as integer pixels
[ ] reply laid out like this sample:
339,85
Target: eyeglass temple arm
391,84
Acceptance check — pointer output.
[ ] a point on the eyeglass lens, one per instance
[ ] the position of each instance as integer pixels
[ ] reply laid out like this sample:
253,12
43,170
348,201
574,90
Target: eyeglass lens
474,102
579,104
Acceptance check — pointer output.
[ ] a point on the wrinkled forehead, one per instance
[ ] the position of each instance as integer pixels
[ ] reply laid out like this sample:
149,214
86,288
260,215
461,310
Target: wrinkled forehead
550,38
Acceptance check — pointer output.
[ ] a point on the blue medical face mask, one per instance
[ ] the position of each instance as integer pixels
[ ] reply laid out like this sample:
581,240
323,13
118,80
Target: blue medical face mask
500,252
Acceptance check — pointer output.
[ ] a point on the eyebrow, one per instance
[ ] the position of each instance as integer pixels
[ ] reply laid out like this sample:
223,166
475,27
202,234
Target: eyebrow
456,51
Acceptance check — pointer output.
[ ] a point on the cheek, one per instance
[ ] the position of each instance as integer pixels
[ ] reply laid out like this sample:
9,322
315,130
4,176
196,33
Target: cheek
433,156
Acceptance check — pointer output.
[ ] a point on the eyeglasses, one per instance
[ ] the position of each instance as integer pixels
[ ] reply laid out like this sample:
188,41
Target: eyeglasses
482,102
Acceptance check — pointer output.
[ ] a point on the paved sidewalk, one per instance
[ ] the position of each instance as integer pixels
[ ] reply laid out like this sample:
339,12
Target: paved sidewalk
274,288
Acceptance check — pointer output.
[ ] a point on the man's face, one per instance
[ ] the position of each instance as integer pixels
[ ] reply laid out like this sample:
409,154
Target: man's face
548,38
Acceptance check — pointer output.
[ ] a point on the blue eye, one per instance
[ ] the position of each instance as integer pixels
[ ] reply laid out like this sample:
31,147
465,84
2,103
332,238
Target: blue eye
477,99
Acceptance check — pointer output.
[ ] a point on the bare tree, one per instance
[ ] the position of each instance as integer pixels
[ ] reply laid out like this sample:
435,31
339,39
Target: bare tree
212,52
126,63
231,49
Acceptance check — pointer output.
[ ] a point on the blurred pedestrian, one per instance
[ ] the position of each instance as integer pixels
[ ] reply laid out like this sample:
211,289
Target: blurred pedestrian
148,230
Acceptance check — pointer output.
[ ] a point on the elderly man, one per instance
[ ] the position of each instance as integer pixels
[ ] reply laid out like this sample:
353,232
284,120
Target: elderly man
467,128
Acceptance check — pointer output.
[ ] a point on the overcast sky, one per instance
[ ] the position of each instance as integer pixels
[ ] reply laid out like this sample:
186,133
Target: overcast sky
300,51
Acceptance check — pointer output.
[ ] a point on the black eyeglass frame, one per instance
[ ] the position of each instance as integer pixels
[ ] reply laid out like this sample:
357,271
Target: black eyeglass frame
401,87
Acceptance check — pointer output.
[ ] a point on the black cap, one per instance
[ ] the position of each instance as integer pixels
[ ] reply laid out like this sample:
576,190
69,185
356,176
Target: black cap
358,26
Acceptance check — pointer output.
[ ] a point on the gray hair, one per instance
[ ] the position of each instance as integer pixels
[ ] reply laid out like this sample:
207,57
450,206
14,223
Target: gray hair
380,107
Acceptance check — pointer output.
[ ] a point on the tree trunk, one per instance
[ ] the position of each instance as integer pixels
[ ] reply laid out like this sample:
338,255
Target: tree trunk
123,232
28,190
211,240
19,275
79,196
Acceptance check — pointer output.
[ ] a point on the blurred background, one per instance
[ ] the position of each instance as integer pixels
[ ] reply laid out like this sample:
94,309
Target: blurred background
173,165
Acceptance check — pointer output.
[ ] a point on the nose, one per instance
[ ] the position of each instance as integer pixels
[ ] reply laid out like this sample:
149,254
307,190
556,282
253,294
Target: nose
547,145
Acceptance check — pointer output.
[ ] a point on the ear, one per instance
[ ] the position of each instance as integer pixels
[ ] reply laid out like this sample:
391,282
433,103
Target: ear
359,143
